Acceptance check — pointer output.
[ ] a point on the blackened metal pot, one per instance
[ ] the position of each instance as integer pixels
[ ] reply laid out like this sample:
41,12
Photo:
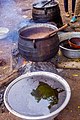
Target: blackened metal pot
48,13
33,45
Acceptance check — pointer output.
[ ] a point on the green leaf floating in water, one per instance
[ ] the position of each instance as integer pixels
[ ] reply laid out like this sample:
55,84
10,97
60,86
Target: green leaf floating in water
44,91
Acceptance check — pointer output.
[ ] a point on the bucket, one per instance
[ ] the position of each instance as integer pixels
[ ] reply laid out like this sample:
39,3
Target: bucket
19,96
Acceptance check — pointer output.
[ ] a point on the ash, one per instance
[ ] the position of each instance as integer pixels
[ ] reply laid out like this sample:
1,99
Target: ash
40,66
2,106
29,67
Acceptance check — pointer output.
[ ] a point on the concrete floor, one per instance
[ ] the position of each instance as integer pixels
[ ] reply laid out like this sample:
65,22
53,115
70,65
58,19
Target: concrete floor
12,12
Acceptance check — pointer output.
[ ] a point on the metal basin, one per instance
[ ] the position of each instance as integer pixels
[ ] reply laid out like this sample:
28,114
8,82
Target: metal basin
64,46
17,96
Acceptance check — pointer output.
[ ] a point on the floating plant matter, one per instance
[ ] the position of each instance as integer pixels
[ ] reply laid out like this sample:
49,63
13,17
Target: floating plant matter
44,91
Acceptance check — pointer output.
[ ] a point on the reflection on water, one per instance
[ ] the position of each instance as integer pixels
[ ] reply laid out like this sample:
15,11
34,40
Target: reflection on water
44,91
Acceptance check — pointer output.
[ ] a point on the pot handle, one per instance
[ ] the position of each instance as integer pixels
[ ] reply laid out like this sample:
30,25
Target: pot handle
45,10
46,3
34,44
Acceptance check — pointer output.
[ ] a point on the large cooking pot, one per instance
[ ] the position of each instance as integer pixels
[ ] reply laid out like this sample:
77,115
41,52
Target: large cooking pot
47,13
34,46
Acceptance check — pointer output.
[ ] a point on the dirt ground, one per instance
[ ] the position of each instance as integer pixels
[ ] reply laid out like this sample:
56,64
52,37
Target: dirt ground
11,15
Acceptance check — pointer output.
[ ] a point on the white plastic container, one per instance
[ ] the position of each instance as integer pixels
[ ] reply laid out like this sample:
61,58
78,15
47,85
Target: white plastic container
3,32
15,96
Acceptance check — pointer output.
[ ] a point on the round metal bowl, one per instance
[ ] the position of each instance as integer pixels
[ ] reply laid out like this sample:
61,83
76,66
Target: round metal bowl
18,93
69,51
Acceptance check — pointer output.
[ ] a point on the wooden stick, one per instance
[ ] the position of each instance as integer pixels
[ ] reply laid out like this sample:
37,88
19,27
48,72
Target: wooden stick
55,31
14,74
9,78
69,65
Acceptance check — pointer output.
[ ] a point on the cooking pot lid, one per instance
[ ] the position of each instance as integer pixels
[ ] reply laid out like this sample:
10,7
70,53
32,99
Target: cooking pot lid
40,4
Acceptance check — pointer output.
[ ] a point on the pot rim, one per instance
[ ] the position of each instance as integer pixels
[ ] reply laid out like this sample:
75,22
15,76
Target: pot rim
37,25
48,74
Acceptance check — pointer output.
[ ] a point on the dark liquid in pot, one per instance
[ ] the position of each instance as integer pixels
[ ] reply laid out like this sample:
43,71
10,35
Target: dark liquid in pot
36,32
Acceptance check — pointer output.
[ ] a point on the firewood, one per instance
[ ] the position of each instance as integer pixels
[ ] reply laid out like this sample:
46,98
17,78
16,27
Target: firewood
9,78
69,65
13,75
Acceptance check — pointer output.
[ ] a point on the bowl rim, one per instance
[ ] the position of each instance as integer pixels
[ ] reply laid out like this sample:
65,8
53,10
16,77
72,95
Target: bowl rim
62,47
48,74
4,29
